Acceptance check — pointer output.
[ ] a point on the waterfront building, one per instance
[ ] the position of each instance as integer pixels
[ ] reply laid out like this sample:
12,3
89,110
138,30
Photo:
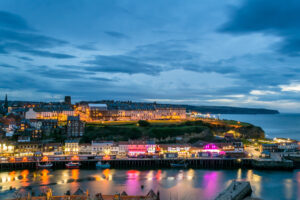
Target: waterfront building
85,149
28,148
123,148
288,147
72,146
102,147
138,148
182,150
268,147
52,148
74,127
6,148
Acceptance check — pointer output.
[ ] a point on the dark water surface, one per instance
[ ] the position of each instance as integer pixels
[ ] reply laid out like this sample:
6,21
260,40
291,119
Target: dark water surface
279,125
177,184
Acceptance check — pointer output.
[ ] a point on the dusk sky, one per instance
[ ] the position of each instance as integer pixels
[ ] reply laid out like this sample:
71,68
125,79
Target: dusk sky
208,52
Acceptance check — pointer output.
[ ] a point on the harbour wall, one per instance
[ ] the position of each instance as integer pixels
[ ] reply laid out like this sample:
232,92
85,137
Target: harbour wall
197,163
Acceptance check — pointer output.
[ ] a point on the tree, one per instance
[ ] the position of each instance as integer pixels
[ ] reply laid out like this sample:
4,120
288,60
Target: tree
143,123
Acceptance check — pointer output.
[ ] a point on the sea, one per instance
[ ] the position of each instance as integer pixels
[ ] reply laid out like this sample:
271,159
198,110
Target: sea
277,125
176,184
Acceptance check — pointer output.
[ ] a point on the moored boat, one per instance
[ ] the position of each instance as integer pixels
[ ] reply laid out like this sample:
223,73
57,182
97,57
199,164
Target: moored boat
46,165
101,165
73,165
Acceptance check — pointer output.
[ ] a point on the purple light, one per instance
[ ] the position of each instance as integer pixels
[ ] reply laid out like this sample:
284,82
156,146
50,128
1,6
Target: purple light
210,146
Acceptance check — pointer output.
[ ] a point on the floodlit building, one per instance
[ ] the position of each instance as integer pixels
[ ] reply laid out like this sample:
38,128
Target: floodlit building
102,147
72,146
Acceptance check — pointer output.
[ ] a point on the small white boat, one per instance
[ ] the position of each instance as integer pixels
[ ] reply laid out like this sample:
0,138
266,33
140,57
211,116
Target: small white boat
101,165
47,165
73,165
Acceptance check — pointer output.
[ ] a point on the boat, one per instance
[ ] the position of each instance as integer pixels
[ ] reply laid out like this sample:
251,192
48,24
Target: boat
180,164
73,165
101,165
46,165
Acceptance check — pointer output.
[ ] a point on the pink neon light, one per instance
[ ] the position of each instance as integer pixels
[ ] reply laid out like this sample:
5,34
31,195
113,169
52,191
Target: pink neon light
210,147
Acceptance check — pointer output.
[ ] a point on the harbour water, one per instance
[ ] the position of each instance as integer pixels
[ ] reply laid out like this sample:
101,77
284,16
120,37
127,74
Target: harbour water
173,184
279,125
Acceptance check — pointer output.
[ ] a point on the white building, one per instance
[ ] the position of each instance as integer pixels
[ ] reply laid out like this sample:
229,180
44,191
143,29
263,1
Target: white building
53,114
102,147
72,146
85,149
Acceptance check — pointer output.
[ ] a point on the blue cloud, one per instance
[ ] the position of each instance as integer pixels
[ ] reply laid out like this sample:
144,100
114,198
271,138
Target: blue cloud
116,34
270,17
17,36
12,21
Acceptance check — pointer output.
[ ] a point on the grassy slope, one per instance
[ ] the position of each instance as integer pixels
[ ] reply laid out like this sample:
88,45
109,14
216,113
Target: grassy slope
167,130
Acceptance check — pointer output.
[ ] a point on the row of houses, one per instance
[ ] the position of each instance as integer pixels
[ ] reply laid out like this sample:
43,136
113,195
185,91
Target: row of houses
135,149
150,149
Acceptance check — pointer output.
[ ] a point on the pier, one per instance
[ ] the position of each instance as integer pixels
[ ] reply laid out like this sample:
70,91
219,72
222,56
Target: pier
237,190
200,163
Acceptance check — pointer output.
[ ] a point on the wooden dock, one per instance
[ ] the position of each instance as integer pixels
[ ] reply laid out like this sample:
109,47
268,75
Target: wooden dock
151,163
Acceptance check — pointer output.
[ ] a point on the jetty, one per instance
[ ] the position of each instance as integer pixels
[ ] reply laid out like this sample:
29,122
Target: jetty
272,164
237,190
155,163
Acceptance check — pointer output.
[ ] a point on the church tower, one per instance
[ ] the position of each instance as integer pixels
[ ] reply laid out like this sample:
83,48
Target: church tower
6,102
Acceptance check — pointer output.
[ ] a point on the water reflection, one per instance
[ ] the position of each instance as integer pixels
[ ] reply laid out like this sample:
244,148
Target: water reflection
255,181
44,176
211,184
133,184
288,188
181,184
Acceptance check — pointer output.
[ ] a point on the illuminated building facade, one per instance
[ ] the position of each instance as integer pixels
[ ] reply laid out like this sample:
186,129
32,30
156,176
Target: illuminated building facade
156,114
180,150
72,146
28,148
60,115
102,147
6,148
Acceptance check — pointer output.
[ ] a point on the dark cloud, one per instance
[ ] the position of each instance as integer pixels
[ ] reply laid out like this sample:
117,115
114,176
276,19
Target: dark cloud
25,58
12,21
32,40
55,73
121,64
154,58
116,34
7,66
48,54
271,17
87,46
16,35
19,47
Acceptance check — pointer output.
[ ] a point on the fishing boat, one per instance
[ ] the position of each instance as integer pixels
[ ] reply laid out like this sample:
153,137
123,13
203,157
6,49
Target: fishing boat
101,165
73,165
46,165
179,165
